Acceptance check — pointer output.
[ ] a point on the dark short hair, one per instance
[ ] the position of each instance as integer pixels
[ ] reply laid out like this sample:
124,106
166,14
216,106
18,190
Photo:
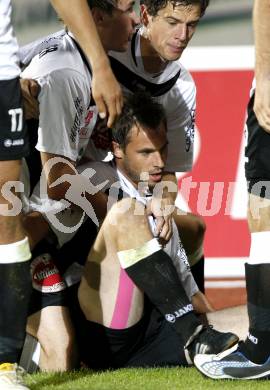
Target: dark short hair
139,109
153,6
105,5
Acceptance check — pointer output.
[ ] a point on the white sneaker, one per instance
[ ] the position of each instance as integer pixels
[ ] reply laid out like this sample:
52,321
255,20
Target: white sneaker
11,377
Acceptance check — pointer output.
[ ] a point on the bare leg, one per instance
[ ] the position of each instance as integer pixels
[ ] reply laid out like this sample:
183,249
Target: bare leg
53,329
107,295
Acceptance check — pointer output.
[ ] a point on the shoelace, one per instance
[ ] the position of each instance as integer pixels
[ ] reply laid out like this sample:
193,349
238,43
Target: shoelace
12,368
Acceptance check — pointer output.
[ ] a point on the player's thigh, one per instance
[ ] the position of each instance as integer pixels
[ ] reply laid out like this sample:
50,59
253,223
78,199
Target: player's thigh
258,213
257,170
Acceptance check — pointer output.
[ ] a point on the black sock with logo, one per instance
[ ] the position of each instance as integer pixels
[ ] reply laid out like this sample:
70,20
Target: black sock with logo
157,277
257,345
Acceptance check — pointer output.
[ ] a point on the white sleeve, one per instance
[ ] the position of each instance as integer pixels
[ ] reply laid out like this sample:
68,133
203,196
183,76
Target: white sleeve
179,258
63,107
28,52
180,112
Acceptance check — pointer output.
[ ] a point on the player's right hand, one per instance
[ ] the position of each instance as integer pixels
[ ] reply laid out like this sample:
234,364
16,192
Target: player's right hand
107,94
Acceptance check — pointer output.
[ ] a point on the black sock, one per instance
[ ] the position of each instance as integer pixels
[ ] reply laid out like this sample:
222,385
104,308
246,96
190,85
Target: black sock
257,344
197,271
15,289
157,277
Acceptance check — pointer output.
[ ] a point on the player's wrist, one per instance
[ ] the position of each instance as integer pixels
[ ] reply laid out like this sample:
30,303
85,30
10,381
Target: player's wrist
100,64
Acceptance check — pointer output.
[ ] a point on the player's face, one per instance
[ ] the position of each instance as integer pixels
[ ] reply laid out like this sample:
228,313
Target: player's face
145,155
120,26
170,31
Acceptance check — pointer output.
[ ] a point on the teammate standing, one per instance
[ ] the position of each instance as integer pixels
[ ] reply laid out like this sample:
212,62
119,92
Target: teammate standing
15,285
251,360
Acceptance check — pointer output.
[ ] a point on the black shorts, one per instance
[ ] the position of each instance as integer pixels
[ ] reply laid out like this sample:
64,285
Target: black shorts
151,342
257,151
14,143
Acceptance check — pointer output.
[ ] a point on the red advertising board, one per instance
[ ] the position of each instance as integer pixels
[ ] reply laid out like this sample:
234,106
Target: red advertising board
215,192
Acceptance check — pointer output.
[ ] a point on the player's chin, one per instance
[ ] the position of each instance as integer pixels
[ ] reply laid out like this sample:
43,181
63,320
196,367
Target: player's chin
173,57
173,54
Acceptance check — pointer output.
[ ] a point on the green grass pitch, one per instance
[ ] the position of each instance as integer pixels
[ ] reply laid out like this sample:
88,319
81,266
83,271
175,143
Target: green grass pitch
137,379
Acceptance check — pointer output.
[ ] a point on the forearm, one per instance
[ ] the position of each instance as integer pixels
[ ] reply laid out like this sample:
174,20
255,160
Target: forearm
77,16
261,18
106,91
36,227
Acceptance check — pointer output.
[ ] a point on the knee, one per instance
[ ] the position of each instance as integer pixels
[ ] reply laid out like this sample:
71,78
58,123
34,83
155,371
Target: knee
128,224
199,227
126,213
258,214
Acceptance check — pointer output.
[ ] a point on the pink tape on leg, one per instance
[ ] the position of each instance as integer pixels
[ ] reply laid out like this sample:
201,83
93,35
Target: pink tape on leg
123,302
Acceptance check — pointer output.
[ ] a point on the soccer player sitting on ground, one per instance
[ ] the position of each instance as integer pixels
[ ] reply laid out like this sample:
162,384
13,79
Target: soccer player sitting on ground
133,309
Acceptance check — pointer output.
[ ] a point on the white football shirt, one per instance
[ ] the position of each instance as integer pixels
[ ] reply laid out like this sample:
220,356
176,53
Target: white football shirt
9,68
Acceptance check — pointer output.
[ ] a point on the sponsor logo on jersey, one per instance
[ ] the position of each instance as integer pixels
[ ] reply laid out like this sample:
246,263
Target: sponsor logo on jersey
101,135
48,50
182,255
45,275
84,131
178,313
190,131
75,129
16,142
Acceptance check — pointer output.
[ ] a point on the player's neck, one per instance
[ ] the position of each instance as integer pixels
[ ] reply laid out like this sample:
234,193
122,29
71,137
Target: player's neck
152,62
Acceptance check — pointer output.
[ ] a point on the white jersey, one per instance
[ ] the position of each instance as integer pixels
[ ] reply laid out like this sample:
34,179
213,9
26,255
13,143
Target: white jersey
174,247
179,103
9,67
66,117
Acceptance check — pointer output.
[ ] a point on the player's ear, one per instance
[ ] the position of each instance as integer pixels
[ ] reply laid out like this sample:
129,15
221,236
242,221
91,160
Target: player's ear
117,150
98,16
144,15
